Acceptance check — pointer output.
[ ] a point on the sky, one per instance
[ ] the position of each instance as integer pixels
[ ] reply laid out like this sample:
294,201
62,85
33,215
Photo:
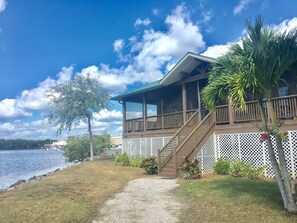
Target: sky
123,44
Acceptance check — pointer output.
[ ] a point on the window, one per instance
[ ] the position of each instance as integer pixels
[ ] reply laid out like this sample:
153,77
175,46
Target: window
133,110
283,91
192,95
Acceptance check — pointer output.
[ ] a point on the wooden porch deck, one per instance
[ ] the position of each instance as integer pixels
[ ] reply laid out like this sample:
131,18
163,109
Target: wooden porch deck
227,119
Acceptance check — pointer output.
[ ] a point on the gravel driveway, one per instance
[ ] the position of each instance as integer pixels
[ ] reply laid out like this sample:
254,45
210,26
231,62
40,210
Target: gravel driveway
143,200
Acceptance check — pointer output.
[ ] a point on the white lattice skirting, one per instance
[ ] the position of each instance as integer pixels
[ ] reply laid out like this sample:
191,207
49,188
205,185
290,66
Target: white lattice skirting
241,146
144,146
246,147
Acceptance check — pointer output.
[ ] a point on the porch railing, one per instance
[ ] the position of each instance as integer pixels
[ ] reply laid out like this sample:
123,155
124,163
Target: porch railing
284,107
222,114
173,120
134,125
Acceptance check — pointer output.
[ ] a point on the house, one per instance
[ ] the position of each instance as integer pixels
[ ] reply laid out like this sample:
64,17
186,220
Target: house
167,118
116,141
59,144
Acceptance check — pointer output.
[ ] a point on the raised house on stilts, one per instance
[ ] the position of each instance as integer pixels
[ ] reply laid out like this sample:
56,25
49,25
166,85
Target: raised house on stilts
167,119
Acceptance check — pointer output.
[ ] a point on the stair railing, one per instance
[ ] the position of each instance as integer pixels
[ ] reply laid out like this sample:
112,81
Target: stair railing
176,140
194,139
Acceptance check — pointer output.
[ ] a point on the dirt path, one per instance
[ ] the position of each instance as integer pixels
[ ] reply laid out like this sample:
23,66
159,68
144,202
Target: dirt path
143,200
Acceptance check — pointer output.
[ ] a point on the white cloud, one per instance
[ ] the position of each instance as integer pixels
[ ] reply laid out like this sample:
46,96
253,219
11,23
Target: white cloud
207,15
40,130
156,12
287,25
144,22
105,114
153,52
219,50
9,109
242,5
2,5
32,99
118,45
216,50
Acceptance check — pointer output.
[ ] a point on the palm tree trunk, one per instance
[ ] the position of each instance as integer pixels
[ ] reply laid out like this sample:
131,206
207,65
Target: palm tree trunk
291,205
91,139
272,157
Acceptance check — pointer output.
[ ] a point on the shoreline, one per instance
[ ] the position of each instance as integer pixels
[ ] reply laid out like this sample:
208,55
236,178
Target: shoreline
34,178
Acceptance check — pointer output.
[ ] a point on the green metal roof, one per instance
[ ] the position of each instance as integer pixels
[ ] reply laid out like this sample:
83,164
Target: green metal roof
144,88
160,83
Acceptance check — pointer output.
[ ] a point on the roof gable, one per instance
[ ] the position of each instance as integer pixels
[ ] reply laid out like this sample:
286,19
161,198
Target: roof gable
185,66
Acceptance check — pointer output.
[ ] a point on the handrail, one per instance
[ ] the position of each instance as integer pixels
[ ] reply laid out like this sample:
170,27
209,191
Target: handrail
211,118
189,144
194,130
172,113
132,119
174,141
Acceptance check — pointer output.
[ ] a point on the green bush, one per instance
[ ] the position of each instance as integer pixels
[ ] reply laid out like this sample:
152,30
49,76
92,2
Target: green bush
118,158
78,147
150,165
256,173
238,169
135,162
122,159
222,166
125,159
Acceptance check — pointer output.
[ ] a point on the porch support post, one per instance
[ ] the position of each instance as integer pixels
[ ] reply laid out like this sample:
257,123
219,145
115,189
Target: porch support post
124,117
144,112
184,100
230,112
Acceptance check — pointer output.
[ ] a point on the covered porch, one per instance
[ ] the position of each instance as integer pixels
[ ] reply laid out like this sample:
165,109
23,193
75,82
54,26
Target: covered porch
154,116
163,109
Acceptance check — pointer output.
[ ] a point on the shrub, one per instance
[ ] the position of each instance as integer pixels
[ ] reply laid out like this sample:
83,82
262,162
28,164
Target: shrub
135,162
190,170
78,147
122,159
222,166
150,165
238,169
118,158
125,159
256,173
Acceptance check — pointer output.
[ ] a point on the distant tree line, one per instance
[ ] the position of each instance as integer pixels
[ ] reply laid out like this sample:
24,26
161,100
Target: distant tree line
14,144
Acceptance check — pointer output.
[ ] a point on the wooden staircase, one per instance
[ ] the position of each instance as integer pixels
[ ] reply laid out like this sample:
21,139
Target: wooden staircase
187,141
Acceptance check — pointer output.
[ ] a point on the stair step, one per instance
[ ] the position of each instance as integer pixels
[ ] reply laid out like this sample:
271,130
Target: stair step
171,165
171,161
167,171
166,175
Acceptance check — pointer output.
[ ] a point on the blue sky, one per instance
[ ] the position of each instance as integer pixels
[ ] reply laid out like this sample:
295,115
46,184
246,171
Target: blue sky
123,44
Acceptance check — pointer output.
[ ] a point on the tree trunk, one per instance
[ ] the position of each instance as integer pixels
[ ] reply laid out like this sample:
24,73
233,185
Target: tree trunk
91,139
291,205
272,157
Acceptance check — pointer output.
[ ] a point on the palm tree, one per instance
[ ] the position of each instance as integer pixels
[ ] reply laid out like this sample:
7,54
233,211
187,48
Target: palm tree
255,67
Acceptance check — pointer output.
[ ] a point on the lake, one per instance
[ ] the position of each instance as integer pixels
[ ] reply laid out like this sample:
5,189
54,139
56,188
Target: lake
17,165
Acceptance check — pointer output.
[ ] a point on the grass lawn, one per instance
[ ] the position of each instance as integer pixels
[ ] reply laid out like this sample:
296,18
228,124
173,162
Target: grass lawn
72,195
230,199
